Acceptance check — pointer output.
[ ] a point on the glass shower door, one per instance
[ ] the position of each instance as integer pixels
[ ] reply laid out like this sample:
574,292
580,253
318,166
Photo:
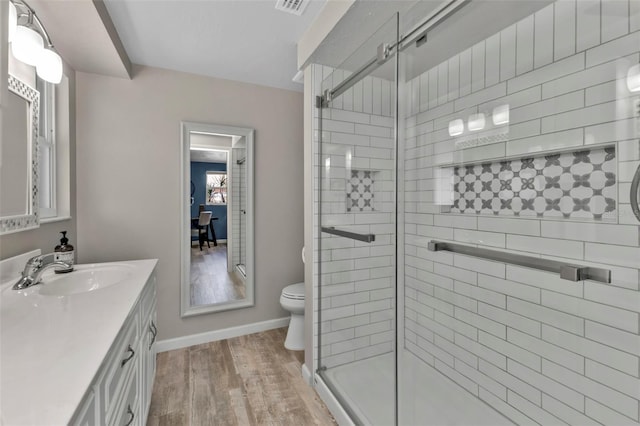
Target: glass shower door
356,207
522,255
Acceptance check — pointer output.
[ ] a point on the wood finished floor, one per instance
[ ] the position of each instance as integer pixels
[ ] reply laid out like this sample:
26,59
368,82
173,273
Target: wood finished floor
248,380
210,281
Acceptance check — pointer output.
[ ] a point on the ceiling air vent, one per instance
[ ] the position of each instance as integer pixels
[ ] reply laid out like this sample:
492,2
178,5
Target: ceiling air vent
292,6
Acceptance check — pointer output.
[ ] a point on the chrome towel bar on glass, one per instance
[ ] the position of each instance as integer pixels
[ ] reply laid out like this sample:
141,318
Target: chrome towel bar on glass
367,238
566,271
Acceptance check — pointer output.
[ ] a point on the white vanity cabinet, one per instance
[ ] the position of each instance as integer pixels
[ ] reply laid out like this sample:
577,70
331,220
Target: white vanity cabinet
121,392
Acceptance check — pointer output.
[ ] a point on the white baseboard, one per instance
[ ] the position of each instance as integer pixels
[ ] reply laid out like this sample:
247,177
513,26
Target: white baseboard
332,403
225,333
306,375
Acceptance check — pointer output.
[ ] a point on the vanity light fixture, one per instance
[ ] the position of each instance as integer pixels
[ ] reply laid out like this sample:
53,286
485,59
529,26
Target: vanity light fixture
500,115
456,127
27,43
13,20
633,78
476,122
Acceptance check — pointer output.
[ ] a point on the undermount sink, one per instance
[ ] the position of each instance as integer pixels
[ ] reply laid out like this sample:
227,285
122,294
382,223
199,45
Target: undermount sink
83,279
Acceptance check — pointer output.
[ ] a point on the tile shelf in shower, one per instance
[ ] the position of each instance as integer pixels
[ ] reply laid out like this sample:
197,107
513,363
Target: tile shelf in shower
578,184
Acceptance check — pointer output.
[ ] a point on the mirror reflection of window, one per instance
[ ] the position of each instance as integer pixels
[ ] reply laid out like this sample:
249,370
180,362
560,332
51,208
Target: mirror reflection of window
216,188
47,149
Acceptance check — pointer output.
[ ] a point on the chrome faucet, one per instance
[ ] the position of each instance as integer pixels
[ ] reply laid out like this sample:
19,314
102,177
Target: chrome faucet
35,267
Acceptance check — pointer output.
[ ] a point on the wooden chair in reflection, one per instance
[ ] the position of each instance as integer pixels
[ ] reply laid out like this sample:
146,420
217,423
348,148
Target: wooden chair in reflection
201,228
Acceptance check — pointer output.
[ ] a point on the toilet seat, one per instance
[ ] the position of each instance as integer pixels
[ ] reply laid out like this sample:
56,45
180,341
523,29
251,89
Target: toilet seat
294,291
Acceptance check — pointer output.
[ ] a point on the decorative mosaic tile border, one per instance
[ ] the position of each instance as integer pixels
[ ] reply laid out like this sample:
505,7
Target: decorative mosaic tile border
31,220
360,191
580,184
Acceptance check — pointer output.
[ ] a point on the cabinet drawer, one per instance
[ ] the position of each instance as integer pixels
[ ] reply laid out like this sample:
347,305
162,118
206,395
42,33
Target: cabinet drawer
127,413
124,358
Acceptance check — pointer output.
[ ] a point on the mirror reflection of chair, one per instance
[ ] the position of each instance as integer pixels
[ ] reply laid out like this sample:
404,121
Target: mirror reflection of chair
201,228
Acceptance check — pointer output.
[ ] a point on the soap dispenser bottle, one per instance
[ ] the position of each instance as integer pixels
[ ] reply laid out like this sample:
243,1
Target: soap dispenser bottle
64,253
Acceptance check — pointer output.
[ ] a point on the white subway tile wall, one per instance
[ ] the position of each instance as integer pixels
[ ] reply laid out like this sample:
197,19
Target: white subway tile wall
358,184
239,203
537,348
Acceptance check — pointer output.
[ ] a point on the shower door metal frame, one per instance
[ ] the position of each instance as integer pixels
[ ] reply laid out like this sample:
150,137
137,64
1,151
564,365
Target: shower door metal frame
385,52
418,34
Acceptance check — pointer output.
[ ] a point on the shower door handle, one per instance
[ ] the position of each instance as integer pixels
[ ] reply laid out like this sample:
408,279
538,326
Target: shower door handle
367,238
635,188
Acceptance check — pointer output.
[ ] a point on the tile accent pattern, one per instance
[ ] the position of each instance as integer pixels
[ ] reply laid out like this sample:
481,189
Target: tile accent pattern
579,184
360,191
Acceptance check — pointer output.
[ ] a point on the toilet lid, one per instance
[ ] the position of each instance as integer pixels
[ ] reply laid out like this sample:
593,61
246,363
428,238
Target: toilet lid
294,291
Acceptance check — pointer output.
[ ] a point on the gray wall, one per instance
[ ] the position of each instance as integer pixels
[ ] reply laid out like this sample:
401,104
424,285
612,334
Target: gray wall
129,175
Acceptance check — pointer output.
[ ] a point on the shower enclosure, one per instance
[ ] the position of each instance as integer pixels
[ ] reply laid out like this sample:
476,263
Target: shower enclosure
239,179
477,250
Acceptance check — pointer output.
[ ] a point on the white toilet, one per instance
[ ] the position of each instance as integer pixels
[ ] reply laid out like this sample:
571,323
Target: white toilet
292,299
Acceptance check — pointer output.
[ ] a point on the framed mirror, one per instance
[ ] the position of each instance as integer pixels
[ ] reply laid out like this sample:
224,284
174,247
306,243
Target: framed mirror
217,267
19,159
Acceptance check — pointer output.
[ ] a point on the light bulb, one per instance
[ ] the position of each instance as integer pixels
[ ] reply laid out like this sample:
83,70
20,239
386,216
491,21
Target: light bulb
500,115
476,122
13,21
633,78
456,127
49,66
27,45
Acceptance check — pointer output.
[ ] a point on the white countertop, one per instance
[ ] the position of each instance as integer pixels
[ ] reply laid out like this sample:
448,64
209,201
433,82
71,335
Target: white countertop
51,347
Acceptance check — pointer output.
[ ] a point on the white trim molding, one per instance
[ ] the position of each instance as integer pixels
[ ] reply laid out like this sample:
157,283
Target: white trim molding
306,375
225,333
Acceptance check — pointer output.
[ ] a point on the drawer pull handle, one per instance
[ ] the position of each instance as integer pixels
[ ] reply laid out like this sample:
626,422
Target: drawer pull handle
127,359
154,331
131,415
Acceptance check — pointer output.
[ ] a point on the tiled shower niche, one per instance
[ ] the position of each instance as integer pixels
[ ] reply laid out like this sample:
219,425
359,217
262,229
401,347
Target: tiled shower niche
360,191
572,185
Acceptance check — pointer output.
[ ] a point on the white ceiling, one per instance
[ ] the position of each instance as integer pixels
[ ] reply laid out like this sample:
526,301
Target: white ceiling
242,40
83,36
203,147
208,156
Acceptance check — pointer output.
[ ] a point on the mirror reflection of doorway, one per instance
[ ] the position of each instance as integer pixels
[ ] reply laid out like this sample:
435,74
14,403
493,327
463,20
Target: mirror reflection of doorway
216,277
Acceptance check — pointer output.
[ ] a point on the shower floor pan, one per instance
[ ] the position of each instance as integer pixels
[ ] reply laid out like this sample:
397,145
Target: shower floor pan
427,397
